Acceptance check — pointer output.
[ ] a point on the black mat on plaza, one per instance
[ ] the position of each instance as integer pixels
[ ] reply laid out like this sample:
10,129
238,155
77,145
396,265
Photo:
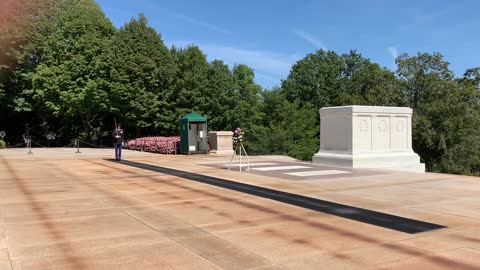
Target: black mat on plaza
354,213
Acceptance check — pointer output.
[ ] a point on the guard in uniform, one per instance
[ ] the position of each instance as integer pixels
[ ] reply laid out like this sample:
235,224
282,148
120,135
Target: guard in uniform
118,141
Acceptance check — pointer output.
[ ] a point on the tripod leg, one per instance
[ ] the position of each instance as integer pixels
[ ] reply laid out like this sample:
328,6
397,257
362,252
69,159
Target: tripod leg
240,159
248,159
231,160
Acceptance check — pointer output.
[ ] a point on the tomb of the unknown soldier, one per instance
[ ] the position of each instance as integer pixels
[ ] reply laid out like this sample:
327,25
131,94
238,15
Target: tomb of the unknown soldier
367,137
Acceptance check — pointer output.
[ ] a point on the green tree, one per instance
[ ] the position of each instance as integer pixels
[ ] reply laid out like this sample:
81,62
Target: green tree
219,97
421,74
302,130
273,102
315,79
190,84
69,81
321,78
446,113
247,110
141,72
24,27
373,86
291,127
269,138
471,78
23,24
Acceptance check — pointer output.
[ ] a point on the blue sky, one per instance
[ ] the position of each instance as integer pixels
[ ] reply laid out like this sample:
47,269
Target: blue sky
270,36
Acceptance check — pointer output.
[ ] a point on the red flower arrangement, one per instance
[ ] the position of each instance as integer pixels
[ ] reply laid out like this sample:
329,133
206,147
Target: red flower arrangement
162,145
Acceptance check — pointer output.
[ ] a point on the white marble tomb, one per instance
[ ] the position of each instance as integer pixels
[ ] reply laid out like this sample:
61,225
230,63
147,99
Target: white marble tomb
367,137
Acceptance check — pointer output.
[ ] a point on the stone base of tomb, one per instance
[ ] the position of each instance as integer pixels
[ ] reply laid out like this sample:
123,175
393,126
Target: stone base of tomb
402,161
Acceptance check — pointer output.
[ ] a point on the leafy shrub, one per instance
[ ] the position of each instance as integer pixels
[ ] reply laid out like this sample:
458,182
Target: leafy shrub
3,144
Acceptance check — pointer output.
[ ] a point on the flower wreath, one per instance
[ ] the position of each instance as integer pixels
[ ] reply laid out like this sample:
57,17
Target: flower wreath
238,136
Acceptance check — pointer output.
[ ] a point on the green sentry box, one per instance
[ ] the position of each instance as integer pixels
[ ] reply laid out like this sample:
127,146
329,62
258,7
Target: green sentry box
193,134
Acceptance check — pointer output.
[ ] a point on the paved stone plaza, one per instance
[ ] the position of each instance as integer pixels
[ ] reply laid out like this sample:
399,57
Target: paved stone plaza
61,210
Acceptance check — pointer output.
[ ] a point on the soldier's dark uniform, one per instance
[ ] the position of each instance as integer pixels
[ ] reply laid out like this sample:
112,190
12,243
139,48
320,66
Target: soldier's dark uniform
117,135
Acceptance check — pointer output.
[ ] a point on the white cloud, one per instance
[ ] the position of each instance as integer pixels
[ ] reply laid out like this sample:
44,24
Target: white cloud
202,24
393,52
310,38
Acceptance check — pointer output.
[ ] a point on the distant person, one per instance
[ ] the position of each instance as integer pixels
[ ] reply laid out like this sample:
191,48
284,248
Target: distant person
117,135
26,139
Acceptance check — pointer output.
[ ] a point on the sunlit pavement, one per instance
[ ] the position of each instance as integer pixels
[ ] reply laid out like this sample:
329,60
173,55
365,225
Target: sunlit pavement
62,210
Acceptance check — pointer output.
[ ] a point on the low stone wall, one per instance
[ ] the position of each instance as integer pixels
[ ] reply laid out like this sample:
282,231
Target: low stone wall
220,142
